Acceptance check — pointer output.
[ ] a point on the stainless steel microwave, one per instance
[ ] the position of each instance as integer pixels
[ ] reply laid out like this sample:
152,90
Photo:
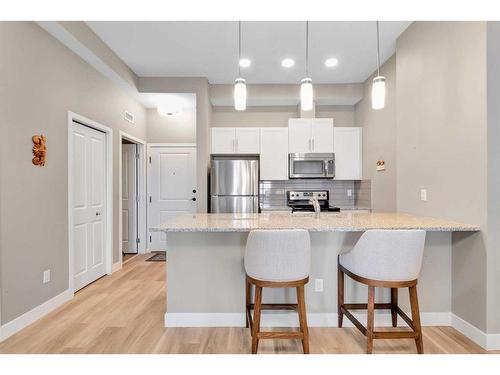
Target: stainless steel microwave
311,165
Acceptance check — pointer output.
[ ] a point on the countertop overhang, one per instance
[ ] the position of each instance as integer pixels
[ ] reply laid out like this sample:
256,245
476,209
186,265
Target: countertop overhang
328,222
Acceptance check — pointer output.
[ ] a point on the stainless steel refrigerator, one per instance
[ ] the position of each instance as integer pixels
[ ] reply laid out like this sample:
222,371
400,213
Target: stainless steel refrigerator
234,184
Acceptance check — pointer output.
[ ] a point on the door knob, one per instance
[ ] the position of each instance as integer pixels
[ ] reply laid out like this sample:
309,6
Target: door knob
193,199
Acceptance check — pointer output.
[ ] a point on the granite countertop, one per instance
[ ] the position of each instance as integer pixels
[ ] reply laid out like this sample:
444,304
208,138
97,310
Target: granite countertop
328,222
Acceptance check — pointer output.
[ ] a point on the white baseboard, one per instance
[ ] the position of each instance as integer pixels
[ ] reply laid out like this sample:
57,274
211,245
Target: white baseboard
34,314
289,319
116,267
488,341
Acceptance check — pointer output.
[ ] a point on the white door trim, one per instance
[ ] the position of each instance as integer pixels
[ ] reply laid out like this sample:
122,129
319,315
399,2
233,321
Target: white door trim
148,174
109,193
141,173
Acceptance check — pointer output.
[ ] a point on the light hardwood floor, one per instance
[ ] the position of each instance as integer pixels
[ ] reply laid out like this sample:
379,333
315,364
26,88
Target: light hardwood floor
123,313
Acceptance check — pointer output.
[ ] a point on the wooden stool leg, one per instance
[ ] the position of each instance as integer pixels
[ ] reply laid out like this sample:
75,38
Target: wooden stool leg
340,296
302,318
256,319
370,320
415,316
394,304
248,292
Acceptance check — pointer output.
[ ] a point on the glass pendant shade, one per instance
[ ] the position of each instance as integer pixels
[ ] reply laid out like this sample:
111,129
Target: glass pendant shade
378,92
240,94
306,94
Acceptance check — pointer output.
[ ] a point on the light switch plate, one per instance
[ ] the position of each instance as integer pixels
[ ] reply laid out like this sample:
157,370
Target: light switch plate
423,194
46,276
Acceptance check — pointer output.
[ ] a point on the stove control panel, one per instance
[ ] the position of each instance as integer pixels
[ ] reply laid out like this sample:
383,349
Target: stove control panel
305,195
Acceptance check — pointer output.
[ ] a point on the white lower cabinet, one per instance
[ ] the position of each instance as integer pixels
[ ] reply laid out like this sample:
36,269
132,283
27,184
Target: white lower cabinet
274,153
348,153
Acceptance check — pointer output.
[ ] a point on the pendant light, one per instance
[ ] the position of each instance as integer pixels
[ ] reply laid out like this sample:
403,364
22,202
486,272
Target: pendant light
306,87
378,85
240,87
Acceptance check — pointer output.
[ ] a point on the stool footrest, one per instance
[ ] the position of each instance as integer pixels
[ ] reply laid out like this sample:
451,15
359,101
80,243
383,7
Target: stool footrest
395,335
276,306
364,306
280,335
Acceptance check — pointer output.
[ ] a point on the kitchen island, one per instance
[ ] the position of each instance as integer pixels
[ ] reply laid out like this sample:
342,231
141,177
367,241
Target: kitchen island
206,279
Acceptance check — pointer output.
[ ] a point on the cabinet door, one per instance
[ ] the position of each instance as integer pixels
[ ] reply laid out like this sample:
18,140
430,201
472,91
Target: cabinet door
348,153
247,140
223,141
273,154
322,135
299,135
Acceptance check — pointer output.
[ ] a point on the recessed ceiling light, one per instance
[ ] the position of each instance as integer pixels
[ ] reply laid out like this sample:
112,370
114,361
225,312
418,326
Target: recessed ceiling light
331,62
287,63
245,63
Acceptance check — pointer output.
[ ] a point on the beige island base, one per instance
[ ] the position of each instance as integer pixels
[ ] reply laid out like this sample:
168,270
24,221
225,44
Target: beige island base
206,279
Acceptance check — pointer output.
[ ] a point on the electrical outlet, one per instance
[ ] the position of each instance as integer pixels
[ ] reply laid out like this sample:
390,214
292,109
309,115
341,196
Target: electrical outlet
349,192
318,285
423,194
46,276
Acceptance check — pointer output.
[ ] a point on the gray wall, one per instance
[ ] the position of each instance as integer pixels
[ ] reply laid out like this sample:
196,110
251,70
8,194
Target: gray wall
40,80
379,140
277,115
179,128
441,143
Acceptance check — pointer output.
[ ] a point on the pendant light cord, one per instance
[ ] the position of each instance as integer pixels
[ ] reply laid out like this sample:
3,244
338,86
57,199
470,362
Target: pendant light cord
378,52
239,48
307,49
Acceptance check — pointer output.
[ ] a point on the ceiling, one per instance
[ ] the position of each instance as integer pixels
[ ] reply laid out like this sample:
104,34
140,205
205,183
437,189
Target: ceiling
210,49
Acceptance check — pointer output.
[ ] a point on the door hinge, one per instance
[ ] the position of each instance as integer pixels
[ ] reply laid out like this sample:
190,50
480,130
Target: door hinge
137,156
150,240
138,240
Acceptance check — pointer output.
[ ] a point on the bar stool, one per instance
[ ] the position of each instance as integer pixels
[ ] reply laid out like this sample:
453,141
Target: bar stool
388,259
277,259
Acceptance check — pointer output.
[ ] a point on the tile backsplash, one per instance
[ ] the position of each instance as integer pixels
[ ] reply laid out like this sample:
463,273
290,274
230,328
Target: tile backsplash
273,193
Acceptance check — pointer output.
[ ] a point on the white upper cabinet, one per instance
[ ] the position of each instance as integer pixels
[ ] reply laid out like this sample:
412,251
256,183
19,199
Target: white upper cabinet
299,135
322,135
310,135
348,153
223,140
235,140
273,153
247,140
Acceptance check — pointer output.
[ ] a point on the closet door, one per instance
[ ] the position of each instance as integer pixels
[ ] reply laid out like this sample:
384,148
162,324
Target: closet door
89,205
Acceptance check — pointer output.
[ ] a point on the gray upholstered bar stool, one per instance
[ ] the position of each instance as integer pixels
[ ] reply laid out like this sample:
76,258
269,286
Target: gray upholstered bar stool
277,259
388,259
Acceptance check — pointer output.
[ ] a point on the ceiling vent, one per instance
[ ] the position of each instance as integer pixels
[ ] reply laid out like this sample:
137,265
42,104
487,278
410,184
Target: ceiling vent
129,117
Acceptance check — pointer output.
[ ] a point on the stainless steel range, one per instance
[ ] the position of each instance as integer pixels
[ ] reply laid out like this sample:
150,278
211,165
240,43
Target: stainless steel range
300,200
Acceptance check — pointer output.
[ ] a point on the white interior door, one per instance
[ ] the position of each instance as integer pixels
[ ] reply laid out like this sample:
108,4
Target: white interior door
172,188
89,205
129,198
